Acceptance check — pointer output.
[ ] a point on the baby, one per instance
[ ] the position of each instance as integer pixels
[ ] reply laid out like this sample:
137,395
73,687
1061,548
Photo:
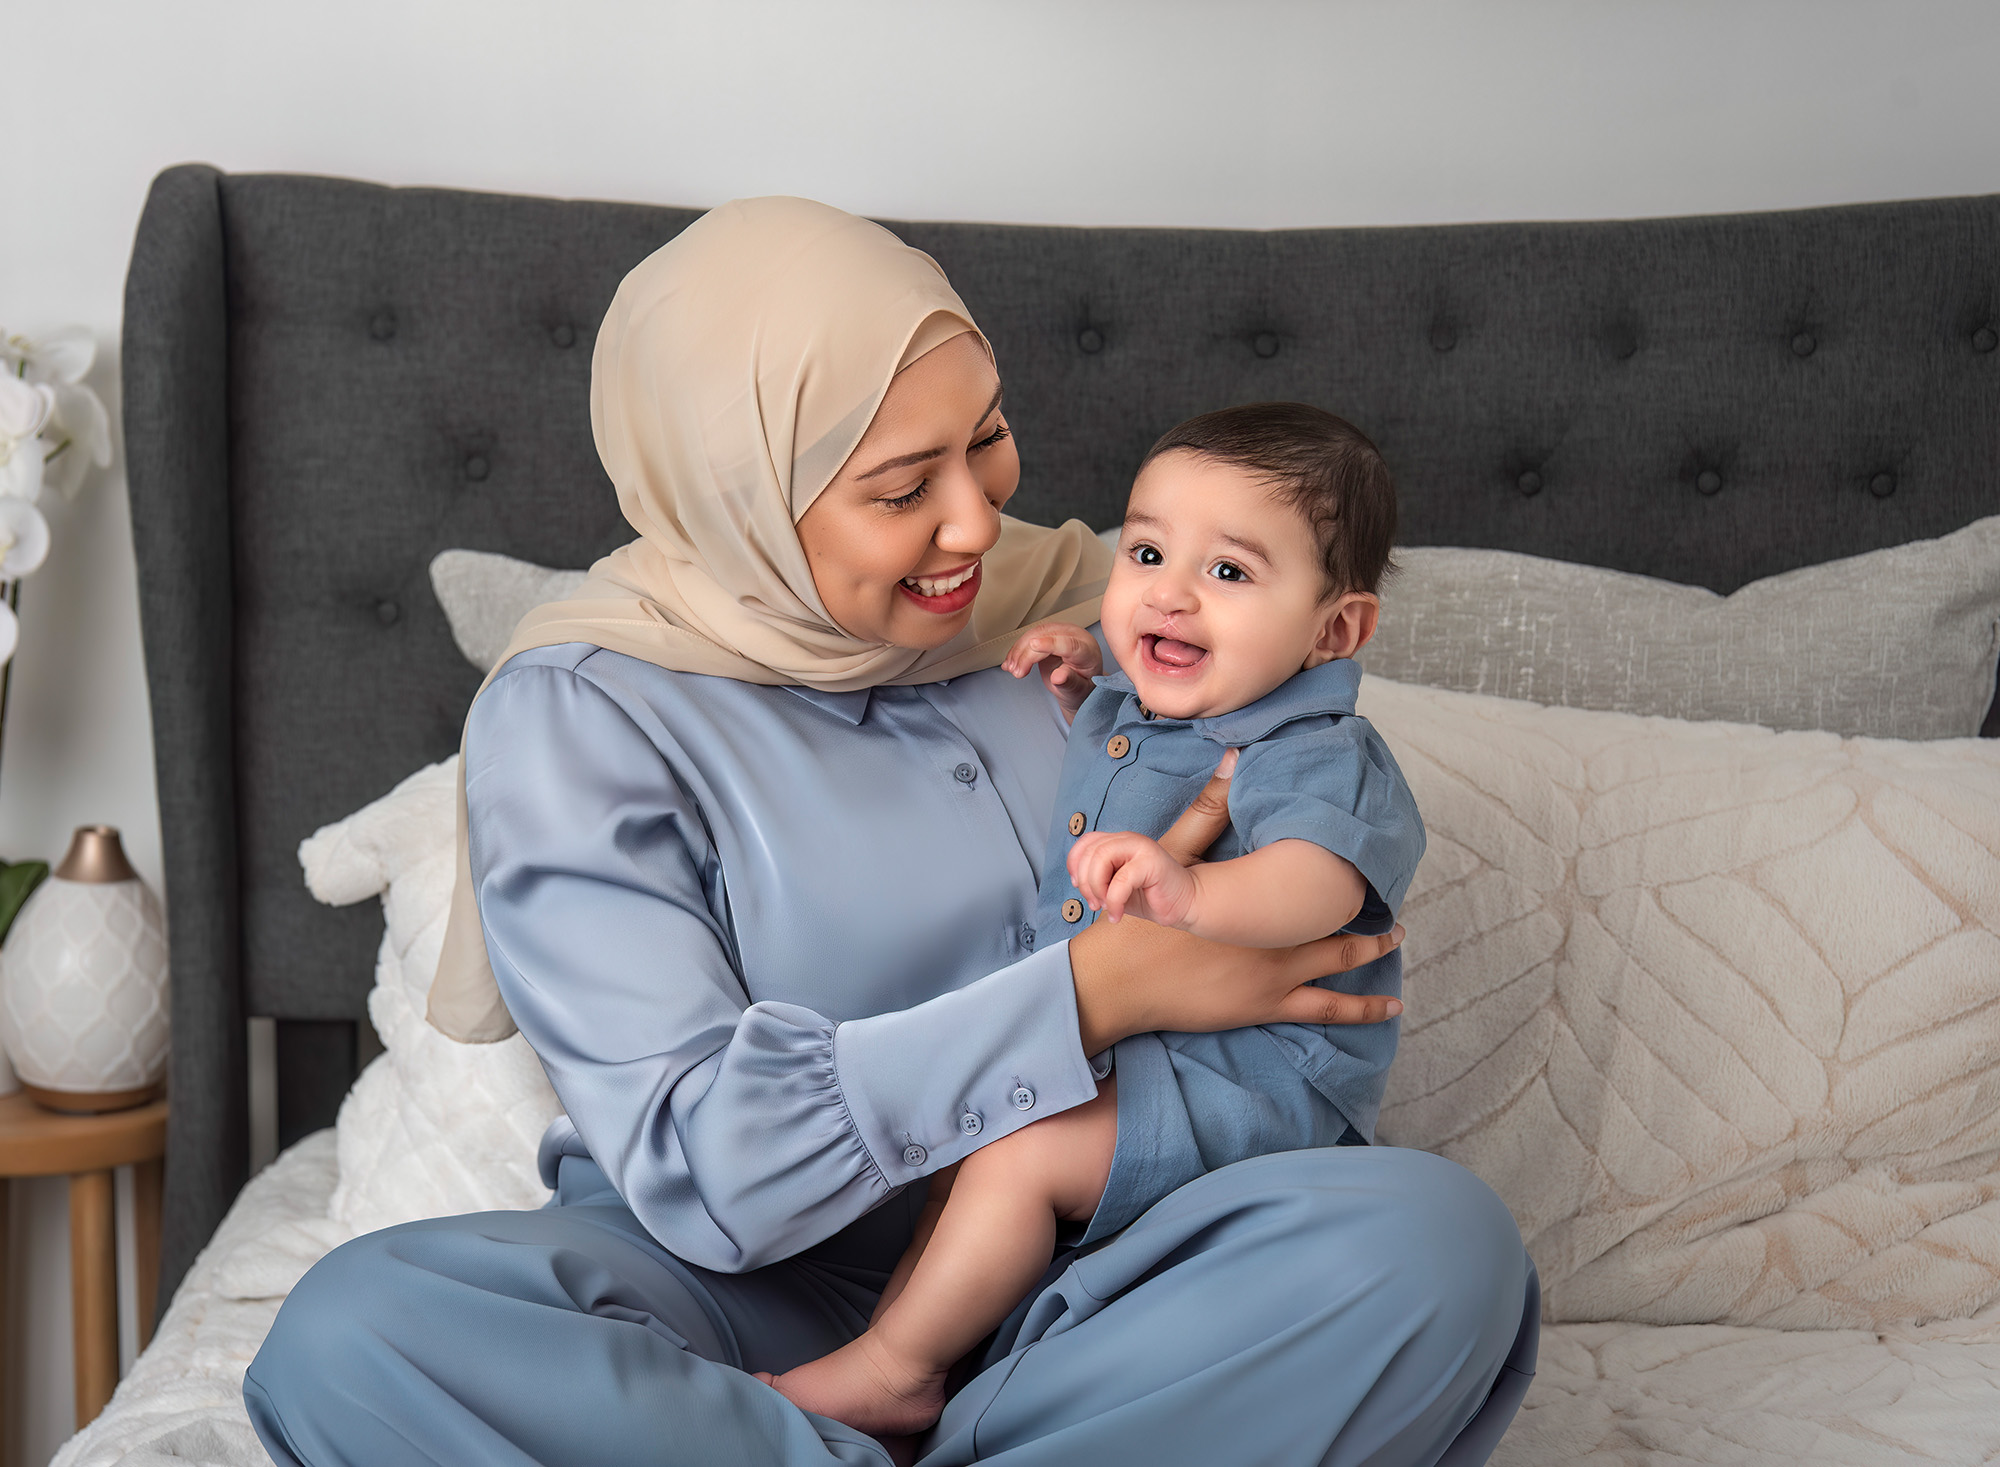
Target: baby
1244,584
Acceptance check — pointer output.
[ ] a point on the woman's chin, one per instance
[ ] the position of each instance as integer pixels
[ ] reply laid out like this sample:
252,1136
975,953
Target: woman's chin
925,632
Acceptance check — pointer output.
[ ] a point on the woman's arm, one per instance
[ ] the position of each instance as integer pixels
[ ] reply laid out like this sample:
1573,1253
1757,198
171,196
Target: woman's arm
738,1132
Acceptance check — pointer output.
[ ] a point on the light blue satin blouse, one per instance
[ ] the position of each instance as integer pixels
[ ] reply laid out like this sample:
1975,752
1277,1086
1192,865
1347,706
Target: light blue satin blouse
772,945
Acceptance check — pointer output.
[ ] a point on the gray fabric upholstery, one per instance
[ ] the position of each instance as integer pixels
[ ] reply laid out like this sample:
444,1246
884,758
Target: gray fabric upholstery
405,371
175,370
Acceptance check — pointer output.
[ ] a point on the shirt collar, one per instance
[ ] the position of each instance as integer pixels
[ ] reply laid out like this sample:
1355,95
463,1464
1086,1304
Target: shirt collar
851,706
1327,689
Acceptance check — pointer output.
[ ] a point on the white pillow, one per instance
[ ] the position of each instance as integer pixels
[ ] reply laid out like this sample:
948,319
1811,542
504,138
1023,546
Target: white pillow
433,1127
1715,1009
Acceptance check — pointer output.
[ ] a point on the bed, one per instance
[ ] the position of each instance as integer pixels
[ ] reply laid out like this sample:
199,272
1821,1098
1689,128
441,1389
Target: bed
328,383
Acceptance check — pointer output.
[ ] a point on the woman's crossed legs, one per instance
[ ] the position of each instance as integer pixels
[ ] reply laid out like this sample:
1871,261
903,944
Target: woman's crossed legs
985,1236
1342,1306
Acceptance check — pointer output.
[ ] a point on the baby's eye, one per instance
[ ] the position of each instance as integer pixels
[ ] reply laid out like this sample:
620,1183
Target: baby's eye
1148,555
1228,570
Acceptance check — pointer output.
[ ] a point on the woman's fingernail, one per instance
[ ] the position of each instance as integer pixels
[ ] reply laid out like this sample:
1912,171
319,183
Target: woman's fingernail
1227,768
1395,1007
1396,937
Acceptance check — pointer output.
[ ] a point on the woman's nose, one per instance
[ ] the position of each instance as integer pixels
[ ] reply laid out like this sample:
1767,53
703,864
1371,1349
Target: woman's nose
971,524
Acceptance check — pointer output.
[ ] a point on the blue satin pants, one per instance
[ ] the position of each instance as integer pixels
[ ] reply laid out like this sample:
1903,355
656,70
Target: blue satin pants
1340,1306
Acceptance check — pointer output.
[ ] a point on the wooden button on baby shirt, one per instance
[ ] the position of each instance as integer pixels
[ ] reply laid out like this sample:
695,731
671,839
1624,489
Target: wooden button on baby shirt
1119,746
1076,823
1072,910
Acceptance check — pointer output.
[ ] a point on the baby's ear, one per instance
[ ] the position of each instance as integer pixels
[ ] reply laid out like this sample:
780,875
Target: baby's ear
1346,624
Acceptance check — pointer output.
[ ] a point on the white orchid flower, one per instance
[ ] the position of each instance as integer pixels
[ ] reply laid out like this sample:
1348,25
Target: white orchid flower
10,632
22,464
24,539
61,358
25,407
81,429
75,429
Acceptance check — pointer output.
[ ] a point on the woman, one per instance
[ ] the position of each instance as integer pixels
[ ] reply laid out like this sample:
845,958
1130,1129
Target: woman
752,831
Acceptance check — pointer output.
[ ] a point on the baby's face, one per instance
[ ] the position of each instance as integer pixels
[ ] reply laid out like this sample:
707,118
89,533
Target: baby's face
1217,594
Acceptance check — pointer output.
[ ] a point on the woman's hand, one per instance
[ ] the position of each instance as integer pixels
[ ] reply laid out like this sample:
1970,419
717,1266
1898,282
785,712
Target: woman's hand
1068,657
1136,977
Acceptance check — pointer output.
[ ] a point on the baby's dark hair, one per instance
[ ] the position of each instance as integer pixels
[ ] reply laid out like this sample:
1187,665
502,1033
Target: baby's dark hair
1316,463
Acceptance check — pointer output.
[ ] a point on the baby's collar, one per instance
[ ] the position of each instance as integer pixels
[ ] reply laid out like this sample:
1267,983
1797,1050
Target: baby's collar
1328,689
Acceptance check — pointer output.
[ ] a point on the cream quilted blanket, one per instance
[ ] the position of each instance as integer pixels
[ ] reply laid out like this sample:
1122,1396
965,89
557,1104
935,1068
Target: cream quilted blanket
1713,1008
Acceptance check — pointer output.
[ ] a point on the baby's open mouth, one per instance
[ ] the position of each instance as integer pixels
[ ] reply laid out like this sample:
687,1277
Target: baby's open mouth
1164,654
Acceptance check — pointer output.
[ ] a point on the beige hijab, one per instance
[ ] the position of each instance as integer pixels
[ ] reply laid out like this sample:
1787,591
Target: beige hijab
736,370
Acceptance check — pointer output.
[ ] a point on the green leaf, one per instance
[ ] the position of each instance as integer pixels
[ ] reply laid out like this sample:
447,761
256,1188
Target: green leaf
18,879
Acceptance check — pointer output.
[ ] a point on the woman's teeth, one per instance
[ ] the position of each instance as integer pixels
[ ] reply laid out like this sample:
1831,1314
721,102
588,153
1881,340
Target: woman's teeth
939,585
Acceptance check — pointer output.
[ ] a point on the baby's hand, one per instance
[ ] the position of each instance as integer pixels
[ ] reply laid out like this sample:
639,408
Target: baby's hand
1119,872
1067,656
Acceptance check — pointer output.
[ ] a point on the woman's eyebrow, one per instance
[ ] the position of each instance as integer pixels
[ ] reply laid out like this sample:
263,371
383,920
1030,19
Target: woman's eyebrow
924,455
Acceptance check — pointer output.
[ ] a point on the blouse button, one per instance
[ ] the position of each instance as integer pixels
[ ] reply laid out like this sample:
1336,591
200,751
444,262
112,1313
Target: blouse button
1072,910
971,1124
1119,746
915,1155
1024,1098
1076,823
965,774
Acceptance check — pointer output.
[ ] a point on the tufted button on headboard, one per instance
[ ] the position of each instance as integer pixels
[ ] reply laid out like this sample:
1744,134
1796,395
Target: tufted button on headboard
328,382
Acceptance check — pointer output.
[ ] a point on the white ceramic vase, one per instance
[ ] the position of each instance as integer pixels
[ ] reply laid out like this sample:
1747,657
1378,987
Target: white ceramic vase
83,983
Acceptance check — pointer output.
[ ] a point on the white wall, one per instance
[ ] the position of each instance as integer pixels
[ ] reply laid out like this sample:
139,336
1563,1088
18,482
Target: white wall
1254,112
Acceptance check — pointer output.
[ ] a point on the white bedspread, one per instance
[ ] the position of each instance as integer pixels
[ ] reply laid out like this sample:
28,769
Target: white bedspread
183,1401
1637,1394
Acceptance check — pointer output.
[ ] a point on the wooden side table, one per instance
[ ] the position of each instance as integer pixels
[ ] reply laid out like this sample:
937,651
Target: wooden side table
43,1143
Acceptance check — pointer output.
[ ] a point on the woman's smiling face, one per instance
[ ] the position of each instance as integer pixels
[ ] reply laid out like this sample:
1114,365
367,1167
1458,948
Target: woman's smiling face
894,541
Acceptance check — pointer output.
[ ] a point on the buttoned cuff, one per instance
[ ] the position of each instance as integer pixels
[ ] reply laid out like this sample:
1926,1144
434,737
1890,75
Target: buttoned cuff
927,1086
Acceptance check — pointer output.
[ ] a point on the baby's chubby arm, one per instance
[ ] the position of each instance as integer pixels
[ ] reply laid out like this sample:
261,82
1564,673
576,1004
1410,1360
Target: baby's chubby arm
1068,657
1289,892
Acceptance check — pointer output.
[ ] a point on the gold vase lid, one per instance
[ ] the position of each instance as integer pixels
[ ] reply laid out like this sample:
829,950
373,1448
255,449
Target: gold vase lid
95,857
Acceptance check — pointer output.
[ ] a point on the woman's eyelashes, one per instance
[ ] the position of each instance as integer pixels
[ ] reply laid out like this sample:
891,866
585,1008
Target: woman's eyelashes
913,497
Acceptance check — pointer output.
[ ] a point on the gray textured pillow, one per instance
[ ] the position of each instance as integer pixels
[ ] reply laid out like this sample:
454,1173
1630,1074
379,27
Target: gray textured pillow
484,595
1894,644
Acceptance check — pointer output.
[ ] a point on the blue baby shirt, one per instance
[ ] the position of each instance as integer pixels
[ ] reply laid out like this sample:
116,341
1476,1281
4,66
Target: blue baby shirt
1309,769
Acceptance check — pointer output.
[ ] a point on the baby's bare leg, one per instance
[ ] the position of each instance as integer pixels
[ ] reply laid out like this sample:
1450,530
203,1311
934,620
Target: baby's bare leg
993,1239
920,1237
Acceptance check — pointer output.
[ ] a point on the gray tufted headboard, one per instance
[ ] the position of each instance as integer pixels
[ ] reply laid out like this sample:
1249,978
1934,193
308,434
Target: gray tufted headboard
327,382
